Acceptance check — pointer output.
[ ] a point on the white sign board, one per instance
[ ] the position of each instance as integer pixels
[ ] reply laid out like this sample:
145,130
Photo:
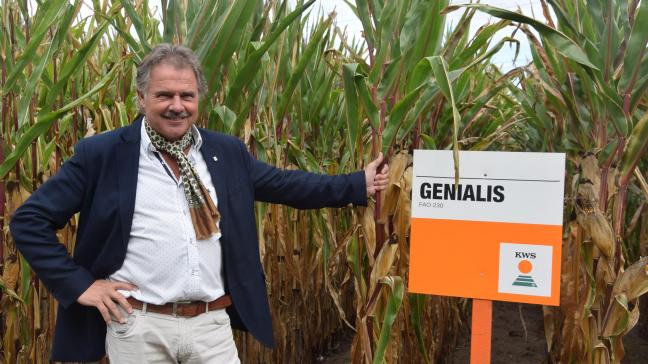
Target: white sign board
496,234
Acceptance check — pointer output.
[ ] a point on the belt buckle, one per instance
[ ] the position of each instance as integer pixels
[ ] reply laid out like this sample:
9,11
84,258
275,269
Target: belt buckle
174,312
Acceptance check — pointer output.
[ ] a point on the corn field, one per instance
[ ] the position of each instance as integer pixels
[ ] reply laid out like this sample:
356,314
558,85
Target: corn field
304,94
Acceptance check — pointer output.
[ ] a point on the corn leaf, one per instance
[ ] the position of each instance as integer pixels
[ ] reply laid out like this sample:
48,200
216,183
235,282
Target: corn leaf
47,15
44,122
562,43
251,67
635,50
394,302
635,149
440,71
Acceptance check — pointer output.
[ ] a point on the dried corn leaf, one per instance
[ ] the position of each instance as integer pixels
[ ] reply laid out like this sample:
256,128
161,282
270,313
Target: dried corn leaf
9,292
391,194
402,218
643,235
365,343
10,322
549,317
380,270
247,131
634,281
618,351
369,227
17,195
11,273
605,274
333,291
601,354
633,319
384,262
590,171
37,310
617,317
90,127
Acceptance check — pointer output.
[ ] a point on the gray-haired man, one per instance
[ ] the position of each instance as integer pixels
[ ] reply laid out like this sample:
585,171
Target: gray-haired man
166,251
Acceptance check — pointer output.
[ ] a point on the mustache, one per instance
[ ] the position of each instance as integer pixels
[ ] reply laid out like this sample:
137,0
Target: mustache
175,115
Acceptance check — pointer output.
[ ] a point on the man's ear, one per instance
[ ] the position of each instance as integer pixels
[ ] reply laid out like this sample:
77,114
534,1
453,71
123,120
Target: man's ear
140,100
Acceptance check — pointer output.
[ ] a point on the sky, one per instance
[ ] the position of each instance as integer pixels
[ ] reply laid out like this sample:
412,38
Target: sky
345,18
504,58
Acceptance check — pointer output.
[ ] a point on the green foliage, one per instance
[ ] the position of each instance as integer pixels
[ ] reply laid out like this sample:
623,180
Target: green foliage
303,95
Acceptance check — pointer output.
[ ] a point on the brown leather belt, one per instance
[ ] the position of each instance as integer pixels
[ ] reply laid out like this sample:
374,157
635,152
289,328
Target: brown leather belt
183,309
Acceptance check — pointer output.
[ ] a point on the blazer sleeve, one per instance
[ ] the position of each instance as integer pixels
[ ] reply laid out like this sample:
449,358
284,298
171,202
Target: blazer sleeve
34,224
304,190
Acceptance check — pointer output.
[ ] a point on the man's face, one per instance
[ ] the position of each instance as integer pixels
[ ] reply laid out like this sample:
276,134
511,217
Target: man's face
171,101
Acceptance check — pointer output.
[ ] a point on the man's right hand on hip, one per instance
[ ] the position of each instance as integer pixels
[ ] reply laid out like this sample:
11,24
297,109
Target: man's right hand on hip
103,295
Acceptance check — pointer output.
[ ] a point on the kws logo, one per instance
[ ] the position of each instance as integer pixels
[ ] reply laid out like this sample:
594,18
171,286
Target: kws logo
525,269
525,255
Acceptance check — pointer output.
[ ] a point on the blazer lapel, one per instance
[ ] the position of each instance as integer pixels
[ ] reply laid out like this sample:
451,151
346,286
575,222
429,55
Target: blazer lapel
218,172
127,158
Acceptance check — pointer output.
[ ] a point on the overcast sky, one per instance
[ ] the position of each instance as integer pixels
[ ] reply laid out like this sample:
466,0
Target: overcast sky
504,58
346,18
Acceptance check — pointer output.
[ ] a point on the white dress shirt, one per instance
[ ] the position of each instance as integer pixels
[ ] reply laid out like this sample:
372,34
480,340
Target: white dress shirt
164,259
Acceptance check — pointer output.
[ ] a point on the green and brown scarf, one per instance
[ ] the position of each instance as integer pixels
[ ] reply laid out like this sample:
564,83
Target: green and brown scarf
204,213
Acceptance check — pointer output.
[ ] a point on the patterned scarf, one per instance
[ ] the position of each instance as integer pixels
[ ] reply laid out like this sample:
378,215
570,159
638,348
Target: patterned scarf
201,207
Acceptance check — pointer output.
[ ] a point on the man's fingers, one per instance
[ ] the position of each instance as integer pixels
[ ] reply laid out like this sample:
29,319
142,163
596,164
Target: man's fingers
376,162
116,296
381,186
380,178
385,169
381,181
103,294
104,312
123,285
114,310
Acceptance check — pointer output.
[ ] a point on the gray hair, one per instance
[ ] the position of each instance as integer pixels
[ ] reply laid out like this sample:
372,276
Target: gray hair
176,55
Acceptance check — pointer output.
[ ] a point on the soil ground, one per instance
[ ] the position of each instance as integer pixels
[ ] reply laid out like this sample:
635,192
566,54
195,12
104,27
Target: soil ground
509,344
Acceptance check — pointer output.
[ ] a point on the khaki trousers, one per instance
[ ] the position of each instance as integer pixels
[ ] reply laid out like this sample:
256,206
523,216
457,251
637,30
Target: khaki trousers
149,337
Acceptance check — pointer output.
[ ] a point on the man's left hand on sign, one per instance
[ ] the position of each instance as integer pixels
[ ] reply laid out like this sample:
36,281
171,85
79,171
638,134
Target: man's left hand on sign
103,295
376,181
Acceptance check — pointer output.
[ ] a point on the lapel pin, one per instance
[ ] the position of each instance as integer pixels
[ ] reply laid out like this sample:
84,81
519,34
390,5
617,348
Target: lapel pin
215,158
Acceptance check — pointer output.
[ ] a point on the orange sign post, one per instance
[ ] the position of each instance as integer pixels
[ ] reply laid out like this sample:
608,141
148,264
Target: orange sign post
480,337
496,235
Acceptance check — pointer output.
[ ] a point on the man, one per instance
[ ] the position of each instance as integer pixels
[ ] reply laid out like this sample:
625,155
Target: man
166,239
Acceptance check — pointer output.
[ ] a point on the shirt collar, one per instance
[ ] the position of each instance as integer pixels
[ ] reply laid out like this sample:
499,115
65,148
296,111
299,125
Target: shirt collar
148,146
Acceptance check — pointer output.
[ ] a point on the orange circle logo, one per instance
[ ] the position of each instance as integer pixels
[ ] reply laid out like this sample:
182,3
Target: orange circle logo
525,266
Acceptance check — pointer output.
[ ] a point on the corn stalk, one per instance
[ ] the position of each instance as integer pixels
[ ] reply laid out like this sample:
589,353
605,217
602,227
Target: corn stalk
414,88
304,95
584,94
73,77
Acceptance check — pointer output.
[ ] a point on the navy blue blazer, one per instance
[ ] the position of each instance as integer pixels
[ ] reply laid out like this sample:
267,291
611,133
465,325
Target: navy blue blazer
100,180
